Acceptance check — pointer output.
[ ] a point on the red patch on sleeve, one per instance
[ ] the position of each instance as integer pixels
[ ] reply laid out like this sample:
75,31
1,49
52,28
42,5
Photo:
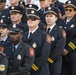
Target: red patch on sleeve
64,34
45,27
1,48
31,52
48,38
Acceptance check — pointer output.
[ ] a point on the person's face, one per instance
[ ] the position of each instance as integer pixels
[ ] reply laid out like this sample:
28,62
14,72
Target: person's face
50,19
28,1
69,12
15,37
44,3
4,31
15,17
32,22
13,2
2,5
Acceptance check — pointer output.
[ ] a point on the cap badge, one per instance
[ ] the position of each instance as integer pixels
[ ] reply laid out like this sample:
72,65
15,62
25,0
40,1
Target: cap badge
69,2
32,12
14,25
19,57
13,7
20,2
1,21
49,8
30,5
34,45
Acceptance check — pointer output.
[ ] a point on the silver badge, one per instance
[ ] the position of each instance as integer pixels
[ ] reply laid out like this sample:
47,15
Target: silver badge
72,26
14,25
34,45
69,2
32,12
30,5
53,38
49,8
19,57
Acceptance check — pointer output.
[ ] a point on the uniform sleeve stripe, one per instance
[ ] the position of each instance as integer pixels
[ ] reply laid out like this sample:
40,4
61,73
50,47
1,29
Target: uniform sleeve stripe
72,45
50,60
35,67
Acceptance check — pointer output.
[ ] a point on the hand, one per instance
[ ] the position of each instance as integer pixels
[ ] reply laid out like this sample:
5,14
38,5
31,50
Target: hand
65,52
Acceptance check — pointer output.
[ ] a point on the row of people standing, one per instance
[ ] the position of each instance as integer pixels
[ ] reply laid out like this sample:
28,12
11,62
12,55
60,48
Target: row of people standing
50,13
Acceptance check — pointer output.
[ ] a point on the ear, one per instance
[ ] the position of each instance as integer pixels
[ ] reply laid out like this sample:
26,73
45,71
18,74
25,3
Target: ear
56,18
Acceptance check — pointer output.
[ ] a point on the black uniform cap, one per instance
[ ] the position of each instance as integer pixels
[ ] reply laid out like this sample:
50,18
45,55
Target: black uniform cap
53,10
4,23
70,3
17,9
16,28
31,6
22,3
33,13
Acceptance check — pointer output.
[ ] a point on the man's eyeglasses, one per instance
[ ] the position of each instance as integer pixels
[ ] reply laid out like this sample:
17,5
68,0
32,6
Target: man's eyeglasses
33,19
70,10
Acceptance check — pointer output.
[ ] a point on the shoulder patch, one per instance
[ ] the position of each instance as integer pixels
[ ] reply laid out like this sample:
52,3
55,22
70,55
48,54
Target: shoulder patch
1,48
64,34
48,38
45,27
31,52
2,67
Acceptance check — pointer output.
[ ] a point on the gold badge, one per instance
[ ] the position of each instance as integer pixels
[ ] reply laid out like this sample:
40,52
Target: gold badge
34,45
13,7
14,25
19,57
2,67
53,38
49,8
72,26
32,12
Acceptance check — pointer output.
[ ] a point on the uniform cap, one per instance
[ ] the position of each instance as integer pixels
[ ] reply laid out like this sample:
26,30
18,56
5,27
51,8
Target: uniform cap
51,10
16,28
17,9
4,23
33,13
70,3
31,6
22,3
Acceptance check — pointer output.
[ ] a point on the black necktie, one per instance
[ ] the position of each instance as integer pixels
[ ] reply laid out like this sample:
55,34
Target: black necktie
2,42
48,30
